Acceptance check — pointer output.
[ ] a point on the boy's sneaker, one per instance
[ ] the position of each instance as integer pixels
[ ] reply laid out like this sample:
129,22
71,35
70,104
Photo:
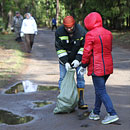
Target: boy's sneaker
93,116
109,119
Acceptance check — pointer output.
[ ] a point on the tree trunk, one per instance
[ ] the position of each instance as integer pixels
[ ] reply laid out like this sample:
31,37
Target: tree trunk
10,19
129,21
2,8
57,11
81,4
128,18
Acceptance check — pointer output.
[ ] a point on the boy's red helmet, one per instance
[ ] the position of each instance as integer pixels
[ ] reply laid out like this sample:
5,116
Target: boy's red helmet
68,21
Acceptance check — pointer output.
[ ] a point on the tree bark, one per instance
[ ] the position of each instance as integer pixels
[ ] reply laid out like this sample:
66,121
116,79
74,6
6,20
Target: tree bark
2,8
10,18
57,11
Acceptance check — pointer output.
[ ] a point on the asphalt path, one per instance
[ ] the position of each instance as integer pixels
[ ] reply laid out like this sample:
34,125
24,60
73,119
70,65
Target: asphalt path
43,69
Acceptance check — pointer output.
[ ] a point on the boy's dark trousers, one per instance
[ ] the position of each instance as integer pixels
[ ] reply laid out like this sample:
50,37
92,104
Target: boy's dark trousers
54,26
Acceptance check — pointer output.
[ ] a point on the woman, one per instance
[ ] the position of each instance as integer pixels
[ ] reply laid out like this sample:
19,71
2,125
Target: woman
97,56
29,29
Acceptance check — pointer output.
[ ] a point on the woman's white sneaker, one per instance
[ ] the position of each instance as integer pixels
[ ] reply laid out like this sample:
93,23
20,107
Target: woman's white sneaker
93,116
109,119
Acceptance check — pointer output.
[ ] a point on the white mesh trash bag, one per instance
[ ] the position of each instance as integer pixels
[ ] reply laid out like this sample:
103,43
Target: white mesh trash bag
29,86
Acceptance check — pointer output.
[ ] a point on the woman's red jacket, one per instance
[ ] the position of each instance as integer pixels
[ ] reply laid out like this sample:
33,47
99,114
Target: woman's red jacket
98,47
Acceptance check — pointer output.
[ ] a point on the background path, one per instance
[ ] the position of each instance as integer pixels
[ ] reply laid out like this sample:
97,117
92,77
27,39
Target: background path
43,62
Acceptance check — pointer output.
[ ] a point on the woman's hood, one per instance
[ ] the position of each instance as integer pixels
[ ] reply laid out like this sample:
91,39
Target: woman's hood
29,15
93,20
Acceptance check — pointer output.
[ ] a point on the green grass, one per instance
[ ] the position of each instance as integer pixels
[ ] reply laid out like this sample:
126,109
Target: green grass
122,39
121,35
11,58
7,42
